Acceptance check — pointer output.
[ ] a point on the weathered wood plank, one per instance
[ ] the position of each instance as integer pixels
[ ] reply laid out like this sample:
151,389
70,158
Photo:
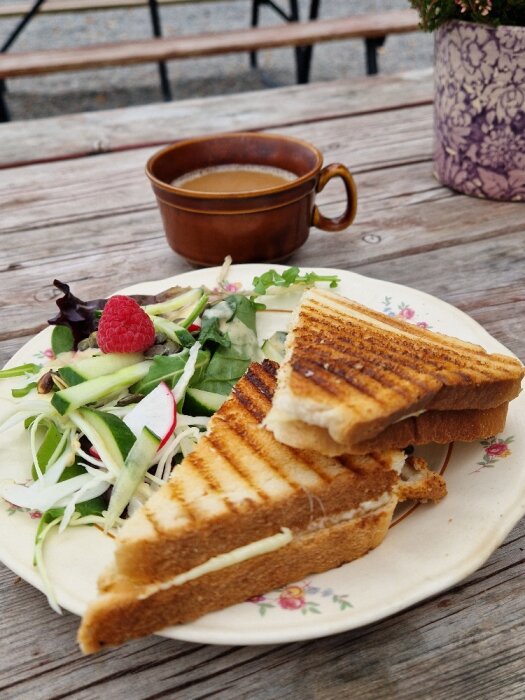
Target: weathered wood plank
382,240
99,132
8,346
30,293
456,644
119,53
379,234
39,195
467,642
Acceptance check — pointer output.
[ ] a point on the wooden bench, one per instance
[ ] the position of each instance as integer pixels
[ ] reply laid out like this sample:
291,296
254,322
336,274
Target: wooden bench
208,44
16,9
371,27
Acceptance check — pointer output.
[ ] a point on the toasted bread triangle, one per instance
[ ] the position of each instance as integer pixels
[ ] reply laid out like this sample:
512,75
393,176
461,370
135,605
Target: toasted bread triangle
240,486
352,372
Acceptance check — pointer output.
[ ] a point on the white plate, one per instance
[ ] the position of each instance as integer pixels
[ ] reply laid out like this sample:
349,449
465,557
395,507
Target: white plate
425,553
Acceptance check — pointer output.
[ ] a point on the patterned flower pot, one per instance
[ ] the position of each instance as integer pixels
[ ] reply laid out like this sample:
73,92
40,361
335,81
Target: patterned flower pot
479,109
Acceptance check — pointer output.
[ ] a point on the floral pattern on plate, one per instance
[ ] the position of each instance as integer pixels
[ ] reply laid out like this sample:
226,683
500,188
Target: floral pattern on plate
494,449
299,597
403,311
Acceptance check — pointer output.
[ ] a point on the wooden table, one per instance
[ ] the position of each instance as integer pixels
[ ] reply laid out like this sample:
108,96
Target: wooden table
75,204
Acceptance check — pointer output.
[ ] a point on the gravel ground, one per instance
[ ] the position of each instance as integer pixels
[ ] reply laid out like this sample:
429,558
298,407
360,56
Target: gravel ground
117,87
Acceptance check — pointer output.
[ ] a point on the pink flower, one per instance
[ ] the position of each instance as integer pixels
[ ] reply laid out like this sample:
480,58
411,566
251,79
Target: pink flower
232,286
291,603
49,354
256,599
35,514
422,324
407,313
498,449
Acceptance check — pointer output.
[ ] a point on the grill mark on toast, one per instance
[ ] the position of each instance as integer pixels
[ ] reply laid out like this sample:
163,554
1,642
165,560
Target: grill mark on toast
375,345
236,425
331,304
263,377
262,380
270,370
192,462
420,363
229,455
237,422
355,367
255,411
438,367
248,406
374,470
376,373
209,477
175,494
312,460
322,379
309,369
320,317
150,517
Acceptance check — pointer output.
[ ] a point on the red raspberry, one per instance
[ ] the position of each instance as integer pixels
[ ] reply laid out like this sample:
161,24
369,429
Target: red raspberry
124,326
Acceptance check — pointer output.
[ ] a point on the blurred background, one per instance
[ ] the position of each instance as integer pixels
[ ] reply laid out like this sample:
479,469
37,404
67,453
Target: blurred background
63,93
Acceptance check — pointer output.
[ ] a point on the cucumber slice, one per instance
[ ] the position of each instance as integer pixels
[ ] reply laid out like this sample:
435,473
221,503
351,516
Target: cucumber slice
199,402
196,311
47,449
137,463
273,348
173,331
173,304
98,366
94,389
109,435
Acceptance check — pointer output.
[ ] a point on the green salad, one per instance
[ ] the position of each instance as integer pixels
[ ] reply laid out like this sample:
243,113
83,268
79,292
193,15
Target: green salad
117,407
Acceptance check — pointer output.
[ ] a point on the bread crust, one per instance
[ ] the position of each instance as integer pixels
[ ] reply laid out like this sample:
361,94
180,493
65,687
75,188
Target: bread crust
441,427
259,485
337,510
119,615
353,372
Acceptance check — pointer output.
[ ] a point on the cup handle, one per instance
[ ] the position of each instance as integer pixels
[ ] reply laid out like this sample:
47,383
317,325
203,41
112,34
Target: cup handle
345,219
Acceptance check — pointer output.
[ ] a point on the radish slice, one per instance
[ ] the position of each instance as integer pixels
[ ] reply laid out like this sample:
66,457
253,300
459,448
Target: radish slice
93,452
156,411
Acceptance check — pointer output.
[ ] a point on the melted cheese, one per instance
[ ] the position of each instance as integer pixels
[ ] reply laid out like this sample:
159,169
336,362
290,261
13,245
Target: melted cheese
222,561
409,415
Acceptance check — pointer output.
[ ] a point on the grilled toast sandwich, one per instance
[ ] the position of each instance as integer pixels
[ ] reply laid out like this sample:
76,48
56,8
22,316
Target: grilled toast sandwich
242,515
354,379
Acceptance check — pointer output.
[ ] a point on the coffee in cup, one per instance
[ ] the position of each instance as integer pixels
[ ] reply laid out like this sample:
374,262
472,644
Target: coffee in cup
254,223
233,178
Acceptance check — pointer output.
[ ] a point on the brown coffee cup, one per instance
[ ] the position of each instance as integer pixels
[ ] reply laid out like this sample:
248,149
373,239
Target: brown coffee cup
264,225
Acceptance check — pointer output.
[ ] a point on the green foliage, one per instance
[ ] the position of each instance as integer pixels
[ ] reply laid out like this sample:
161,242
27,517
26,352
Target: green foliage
62,339
272,278
434,13
237,346
169,369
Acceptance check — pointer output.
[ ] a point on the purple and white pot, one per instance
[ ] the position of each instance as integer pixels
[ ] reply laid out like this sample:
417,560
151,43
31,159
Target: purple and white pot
479,110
